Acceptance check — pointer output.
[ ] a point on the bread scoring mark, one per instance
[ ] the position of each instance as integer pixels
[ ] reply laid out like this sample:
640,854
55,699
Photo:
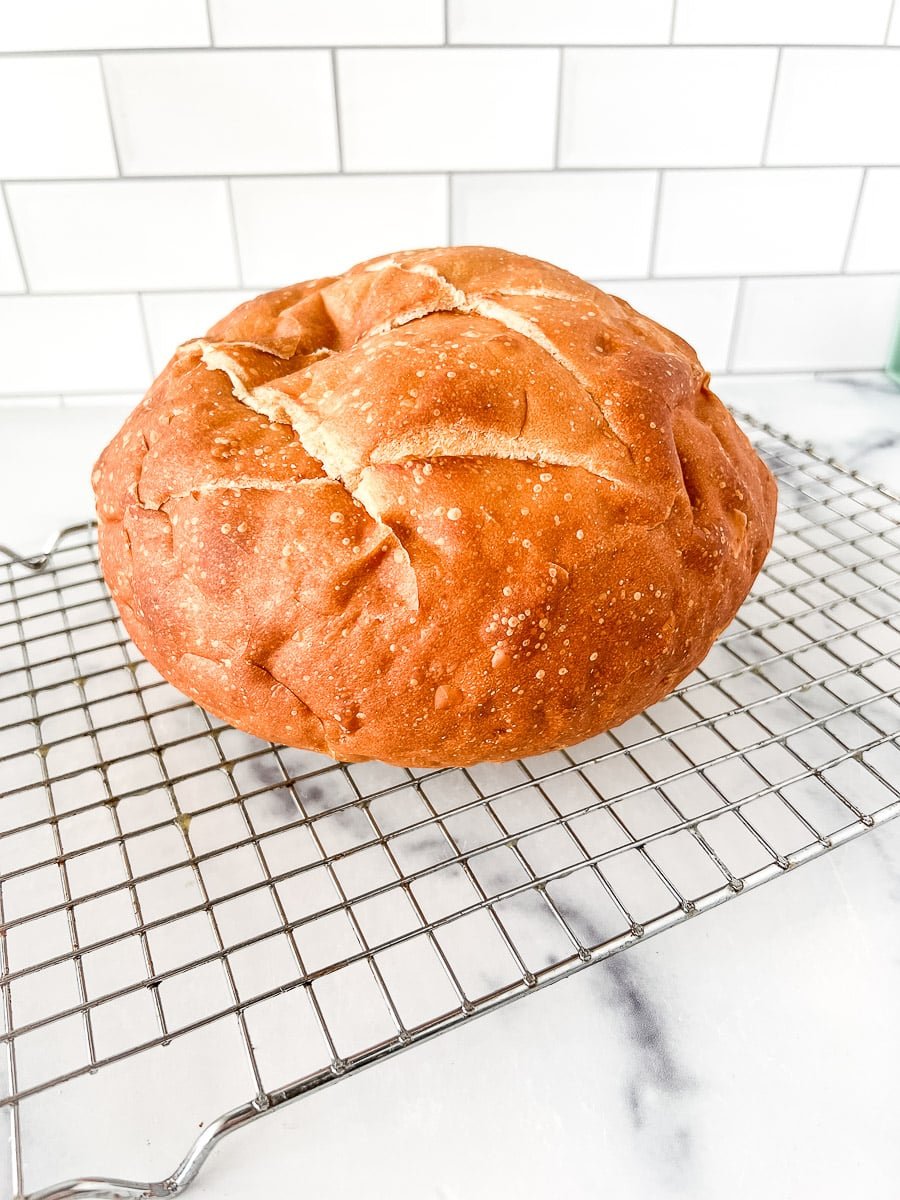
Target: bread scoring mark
268,400
488,308
235,485
404,318
269,403
540,294
330,452
483,306
277,685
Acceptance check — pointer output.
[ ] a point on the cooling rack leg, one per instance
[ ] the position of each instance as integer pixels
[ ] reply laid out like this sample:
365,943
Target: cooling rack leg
174,1185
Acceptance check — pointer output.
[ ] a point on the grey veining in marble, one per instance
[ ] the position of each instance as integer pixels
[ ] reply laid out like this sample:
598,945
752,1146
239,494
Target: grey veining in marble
853,418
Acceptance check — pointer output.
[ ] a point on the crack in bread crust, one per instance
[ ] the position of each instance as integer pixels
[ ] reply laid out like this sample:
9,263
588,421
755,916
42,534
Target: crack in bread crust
269,401
234,485
215,360
484,306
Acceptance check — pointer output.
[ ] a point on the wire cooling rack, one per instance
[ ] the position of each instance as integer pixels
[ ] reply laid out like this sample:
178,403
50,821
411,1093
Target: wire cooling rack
193,918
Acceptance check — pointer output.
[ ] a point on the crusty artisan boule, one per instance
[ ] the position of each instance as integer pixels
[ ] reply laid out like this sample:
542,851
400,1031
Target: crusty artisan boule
453,505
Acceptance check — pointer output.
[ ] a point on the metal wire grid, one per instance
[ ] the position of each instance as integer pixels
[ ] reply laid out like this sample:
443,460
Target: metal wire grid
160,872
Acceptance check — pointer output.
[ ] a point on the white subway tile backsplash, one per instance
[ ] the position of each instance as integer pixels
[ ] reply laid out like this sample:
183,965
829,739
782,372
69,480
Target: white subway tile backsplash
535,22
122,400
29,401
290,229
55,121
447,109
837,107
808,22
11,279
839,322
337,23
175,317
699,310
591,222
240,111
665,106
103,24
124,234
755,221
876,237
52,344
741,185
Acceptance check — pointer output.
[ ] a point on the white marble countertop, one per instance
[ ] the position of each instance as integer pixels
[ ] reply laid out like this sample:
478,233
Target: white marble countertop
751,1052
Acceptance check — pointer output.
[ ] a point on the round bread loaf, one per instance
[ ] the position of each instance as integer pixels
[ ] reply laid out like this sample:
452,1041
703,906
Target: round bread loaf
453,505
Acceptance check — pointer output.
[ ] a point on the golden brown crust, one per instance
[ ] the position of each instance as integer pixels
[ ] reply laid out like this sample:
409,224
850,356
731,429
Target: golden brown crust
453,505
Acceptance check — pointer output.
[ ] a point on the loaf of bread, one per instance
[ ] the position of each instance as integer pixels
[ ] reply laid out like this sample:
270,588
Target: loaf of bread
453,505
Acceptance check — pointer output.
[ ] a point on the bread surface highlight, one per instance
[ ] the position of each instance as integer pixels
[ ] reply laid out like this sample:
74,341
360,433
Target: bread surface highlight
453,505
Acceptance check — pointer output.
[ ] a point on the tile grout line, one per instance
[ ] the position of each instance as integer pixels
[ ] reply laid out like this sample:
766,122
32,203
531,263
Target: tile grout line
672,22
336,100
375,48
654,232
854,220
557,132
235,242
420,172
109,115
770,118
446,17
209,26
589,278
890,21
146,331
735,326
14,233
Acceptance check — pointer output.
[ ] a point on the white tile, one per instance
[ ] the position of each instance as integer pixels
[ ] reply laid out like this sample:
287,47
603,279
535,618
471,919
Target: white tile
235,111
535,22
837,106
103,24
665,107
46,455
590,222
124,234
29,401
809,22
755,222
11,279
55,120
893,37
175,317
841,322
447,110
699,310
71,344
337,23
292,229
104,400
876,238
